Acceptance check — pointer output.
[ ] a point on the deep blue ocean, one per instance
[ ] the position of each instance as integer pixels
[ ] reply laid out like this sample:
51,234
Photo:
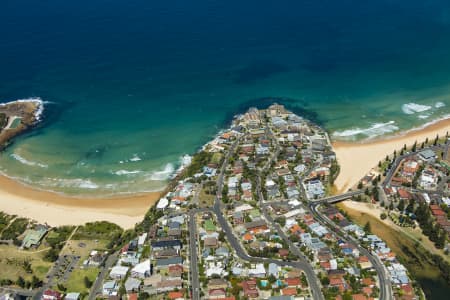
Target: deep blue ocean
131,86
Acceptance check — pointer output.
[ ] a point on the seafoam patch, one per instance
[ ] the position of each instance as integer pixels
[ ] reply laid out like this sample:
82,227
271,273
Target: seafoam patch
28,162
164,174
439,104
412,108
373,131
126,172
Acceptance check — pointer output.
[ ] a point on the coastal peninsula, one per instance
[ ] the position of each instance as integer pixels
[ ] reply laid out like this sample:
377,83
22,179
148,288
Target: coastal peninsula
17,117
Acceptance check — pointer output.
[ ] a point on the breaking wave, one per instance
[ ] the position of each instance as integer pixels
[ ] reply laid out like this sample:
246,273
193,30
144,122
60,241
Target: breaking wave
135,158
126,172
412,108
375,130
164,174
439,104
28,162
70,183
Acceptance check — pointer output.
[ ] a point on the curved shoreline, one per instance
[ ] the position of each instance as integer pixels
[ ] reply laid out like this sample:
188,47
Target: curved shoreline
56,209
356,159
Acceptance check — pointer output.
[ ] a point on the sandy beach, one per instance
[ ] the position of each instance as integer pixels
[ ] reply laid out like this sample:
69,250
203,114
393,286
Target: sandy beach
357,159
55,209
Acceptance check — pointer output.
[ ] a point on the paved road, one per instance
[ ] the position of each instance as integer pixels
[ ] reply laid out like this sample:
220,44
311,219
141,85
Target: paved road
303,262
399,159
18,291
195,283
236,245
98,284
385,284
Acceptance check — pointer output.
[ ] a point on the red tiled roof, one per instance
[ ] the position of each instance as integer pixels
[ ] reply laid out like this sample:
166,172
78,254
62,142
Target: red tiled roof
175,295
404,194
335,281
438,212
293,281
133,296
289,292
359,297
363,259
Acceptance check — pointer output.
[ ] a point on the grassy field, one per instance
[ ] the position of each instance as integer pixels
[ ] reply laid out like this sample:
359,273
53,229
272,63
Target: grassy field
82,248
206,200
408,251
216,158
12,263
98,231
76,281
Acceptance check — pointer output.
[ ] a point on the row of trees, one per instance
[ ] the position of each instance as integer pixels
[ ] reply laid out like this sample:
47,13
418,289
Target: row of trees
429,227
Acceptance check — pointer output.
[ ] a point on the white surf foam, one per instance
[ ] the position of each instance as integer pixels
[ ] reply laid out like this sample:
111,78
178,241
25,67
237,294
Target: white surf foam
126,172
163,174
76,183
412,108
135,158
439,104
375,130
40,103
28,162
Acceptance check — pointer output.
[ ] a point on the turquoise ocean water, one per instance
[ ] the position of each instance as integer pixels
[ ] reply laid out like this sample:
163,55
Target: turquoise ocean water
131,86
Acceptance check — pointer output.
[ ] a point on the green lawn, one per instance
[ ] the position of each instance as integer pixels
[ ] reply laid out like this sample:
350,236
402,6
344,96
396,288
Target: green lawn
12,263
75,283
98,231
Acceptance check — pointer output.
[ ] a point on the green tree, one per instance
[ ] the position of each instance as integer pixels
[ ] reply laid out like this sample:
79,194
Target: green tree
87,282
20,282
367,228
61,287
35,282
401,205
281,220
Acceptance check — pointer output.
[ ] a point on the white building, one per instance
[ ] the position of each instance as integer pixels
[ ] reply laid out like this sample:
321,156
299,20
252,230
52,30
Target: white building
118,272
141,270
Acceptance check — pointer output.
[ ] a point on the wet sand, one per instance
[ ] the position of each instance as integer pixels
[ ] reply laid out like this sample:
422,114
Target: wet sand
55,209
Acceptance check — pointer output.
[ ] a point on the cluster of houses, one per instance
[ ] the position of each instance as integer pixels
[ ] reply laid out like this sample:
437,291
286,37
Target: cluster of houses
215,258
153,263
335,259
396,271
178,197
423,178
